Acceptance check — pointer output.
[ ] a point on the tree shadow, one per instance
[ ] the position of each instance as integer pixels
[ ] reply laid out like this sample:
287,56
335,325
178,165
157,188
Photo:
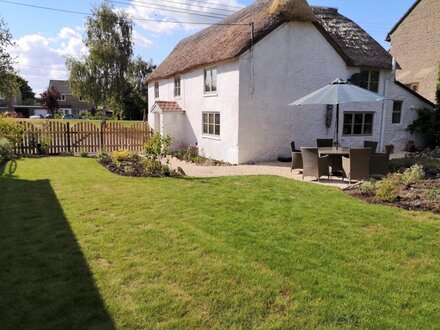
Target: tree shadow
45,281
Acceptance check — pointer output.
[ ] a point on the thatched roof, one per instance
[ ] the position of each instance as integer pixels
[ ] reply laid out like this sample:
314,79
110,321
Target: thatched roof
222,42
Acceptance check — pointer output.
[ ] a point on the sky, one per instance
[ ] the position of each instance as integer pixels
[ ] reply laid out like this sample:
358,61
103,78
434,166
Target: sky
45,37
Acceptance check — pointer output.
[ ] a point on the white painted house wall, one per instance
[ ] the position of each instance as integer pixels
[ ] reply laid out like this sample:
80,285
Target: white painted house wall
253,94
194,101
292,61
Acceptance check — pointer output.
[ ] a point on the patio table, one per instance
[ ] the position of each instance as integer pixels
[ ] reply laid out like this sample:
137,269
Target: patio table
333,151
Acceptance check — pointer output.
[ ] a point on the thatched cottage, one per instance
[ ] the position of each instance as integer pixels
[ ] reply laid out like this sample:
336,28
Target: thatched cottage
227,88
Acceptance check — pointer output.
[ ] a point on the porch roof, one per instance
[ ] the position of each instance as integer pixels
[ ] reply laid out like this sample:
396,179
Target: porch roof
166,106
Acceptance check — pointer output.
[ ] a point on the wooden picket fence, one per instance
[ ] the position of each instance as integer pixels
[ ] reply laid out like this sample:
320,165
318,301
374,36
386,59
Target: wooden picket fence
81,136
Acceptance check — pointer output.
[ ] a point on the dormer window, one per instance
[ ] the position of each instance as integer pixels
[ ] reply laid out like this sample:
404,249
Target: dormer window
370,80
156,90
177,86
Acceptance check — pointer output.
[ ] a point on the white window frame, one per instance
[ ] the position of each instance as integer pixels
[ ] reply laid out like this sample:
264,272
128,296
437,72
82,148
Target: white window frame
368,87
65,111
177,87
156,90
399,111
81,99
63,97
353,113
212,86
211,124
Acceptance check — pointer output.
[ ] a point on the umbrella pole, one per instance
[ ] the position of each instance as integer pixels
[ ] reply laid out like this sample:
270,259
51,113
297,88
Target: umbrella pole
337,125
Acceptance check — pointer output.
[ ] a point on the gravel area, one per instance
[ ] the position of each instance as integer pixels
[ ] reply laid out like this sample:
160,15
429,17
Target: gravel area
266,168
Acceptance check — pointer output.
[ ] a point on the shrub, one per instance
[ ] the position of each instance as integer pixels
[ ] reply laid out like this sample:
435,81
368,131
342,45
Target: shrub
413,174
83,154
44,145
386,191
157,146
11,130
368,188
6,150
120,155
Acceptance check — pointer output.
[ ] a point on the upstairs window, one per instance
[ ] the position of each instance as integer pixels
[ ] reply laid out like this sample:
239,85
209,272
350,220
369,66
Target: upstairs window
211,123
156,90
81,99
358,123
397,112
370,80
210,81
176,86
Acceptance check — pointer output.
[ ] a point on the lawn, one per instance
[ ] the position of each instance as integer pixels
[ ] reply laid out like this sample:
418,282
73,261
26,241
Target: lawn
83,248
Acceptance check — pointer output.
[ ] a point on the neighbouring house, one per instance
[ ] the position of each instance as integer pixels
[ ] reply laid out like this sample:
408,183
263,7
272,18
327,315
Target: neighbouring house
227,88
15,105
415,43
69,103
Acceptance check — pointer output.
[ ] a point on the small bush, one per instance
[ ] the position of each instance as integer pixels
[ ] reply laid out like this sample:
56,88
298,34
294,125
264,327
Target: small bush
6,150
368,188
386,191
157,146
120,155
84,154
413,174
10,130
432,194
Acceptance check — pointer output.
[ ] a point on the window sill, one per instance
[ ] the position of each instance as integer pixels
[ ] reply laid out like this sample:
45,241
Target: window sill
210,94
177,97
211,137
356,135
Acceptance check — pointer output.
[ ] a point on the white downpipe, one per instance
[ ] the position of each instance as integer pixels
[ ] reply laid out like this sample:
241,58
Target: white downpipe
384,108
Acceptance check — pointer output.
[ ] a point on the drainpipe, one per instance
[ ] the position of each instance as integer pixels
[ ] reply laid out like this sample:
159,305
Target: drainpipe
384,108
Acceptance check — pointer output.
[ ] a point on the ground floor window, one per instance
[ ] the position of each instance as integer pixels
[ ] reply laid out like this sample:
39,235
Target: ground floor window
358,123
65,111
211,123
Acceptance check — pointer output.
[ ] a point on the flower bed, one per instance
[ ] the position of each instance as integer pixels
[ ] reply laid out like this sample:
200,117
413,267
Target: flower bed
197,159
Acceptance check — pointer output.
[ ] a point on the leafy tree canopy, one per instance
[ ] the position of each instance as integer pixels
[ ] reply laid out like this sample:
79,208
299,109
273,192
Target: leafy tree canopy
100,76
50,99
27,94
8,82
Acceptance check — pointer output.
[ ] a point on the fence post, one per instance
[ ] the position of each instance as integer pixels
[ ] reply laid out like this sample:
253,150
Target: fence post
101,140
68,137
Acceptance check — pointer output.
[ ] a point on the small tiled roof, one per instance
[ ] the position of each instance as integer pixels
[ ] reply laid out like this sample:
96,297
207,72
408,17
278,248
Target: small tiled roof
62,86
168,106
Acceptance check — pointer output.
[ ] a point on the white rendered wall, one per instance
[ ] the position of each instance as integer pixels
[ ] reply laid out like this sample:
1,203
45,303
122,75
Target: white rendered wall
291,62
194,101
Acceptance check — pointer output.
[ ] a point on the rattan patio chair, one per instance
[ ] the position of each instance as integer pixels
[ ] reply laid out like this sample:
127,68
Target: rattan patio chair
379,165
371,144
313,165
297,161
357,165
324,143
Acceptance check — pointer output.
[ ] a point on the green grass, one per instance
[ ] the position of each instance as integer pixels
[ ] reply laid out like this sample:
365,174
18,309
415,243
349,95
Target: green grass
83,248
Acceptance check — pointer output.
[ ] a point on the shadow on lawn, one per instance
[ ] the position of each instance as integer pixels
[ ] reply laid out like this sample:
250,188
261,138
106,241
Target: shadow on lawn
45,281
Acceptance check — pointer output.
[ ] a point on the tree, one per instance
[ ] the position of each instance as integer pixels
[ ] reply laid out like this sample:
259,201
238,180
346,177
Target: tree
50,99
8,82
138,98
100,76
427,123
27,94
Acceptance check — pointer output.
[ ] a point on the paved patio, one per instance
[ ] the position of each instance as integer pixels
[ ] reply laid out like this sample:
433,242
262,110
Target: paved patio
265,168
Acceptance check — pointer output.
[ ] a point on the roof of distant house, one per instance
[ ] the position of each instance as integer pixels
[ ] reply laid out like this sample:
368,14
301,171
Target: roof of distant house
388,38
62,86
231,38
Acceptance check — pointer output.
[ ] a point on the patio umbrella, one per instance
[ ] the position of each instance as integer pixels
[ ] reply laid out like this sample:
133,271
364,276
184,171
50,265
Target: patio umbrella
339,92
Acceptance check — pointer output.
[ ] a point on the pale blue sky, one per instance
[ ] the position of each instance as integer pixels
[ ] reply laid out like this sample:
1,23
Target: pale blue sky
44,37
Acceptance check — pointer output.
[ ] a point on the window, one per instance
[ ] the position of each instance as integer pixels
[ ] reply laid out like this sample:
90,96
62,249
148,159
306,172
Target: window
156,90
2,97
210,78
63,97
211,123
370,80
81,99
397,112
176,86
358,123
